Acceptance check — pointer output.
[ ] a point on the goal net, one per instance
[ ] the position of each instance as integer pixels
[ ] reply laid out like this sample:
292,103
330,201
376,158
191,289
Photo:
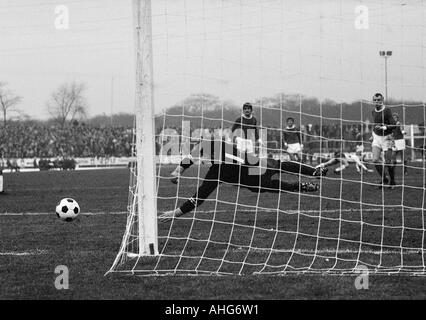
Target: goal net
319,64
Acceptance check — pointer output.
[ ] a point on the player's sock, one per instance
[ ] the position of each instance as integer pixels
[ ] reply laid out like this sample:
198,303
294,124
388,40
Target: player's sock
1,181
358,168
381,170
391,171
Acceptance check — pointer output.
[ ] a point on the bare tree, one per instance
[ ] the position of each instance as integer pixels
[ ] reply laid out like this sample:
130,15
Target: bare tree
68,102
8,101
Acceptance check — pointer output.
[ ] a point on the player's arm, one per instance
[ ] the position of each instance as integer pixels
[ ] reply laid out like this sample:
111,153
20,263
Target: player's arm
236,125
299,136
256,132
187,162
389,122
284,138
209,184
399,125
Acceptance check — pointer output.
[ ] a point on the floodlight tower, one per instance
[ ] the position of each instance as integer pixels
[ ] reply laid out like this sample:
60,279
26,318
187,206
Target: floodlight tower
386,55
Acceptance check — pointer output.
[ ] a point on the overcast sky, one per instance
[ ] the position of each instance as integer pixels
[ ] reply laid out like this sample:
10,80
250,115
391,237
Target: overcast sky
236,49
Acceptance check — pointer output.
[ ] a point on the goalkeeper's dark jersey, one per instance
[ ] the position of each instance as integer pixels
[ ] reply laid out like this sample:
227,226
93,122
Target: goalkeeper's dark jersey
383,117
248,126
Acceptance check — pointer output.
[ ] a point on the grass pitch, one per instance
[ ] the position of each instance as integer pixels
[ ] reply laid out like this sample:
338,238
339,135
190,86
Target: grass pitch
34,241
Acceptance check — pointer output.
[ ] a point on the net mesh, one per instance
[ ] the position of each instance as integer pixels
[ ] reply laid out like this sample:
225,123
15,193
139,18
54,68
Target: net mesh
248,51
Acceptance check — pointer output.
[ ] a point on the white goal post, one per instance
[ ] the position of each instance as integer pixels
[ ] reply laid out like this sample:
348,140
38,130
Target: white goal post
141,235
145,134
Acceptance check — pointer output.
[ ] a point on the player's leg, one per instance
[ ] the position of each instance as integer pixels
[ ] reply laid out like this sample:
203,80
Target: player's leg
359,165
343,165
265,183
400,151
291,156
404,162
1,180
390,165
210,183
278,185
296,167
378,163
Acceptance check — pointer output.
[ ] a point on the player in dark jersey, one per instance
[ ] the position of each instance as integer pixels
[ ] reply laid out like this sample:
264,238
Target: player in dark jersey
231,165
293,140
383,126
399,143
245,130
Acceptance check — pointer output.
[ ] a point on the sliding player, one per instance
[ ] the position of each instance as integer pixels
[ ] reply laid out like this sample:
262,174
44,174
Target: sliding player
293,140
359,155
399,145
230,165
340,158
383,126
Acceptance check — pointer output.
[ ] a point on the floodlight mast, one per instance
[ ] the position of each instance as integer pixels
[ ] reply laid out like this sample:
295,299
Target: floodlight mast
386,55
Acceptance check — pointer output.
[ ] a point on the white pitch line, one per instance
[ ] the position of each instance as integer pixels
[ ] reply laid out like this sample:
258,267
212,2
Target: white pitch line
334,251
53,213
24,253
208,211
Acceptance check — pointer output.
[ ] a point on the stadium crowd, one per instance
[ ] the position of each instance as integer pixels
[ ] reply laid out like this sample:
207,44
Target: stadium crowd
41,140
29,140
24,140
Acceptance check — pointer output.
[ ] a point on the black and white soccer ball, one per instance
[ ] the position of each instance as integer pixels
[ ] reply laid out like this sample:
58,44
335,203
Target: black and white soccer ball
67,209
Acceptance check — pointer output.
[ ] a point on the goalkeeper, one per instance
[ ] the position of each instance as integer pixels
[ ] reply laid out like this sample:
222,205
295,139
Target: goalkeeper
231,166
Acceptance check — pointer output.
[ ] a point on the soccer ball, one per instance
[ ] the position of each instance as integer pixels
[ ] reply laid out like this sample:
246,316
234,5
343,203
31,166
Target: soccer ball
67,209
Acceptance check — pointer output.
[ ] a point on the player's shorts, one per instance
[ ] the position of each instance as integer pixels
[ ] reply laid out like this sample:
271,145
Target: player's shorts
399,145
359,148
294,148
382,142
245,145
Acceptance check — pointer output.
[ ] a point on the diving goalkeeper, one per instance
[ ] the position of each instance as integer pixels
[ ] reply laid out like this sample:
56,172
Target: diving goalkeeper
230,165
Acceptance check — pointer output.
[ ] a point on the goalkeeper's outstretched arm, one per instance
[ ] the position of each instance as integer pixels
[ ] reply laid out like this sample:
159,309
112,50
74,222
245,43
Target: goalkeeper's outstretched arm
187,161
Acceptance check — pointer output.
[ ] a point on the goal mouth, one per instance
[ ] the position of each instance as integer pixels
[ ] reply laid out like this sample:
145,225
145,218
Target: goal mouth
311,114
270,242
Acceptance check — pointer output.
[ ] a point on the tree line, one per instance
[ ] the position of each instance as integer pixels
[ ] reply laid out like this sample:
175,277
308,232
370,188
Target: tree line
68,103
